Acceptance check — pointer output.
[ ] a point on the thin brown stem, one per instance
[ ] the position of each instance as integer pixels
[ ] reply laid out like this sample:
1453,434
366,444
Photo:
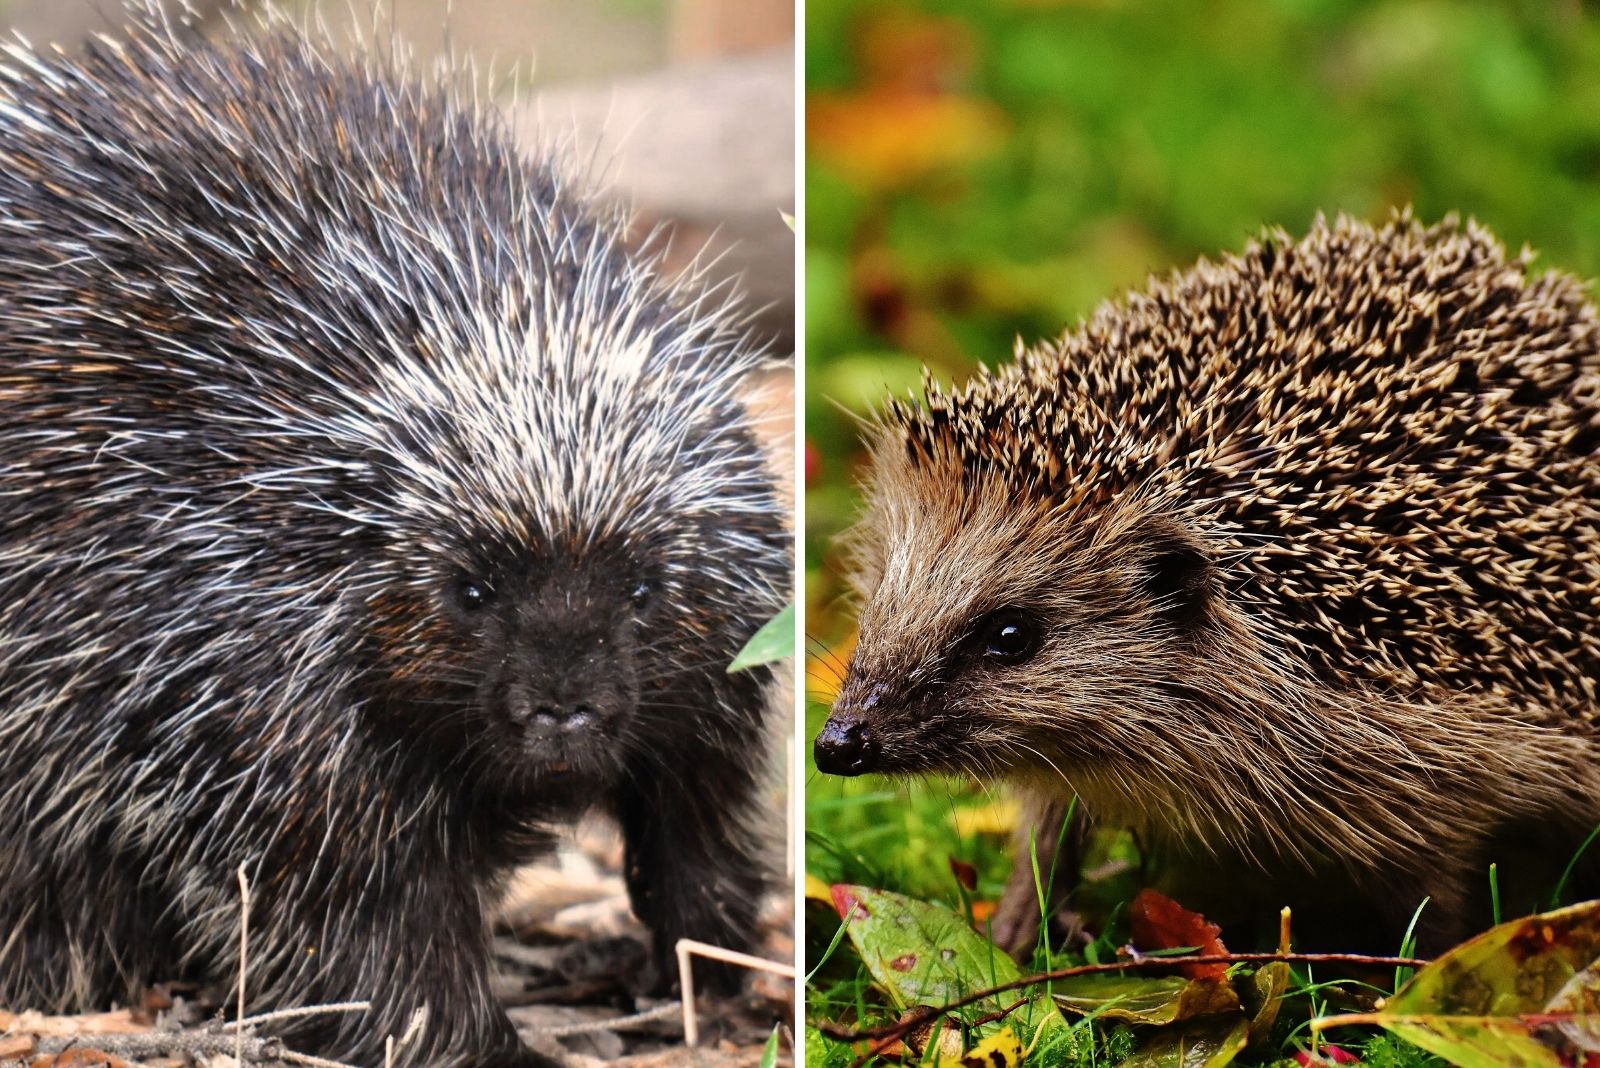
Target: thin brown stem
885,1035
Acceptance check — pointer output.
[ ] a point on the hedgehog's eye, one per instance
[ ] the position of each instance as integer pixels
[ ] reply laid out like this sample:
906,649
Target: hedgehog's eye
641,595
1010,636
473,595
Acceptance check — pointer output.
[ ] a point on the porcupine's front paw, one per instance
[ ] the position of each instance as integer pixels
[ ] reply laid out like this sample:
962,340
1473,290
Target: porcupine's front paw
510,1051
692,872
522,1057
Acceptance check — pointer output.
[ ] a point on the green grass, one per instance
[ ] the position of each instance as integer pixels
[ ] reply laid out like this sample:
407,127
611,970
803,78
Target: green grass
900,835
897,834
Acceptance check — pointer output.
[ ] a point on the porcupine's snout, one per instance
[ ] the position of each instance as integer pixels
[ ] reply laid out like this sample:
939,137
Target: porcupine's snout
565,693
557,713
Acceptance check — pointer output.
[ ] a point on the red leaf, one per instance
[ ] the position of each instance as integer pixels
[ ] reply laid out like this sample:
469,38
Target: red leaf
847,904
1161,923
965,873
1326,1055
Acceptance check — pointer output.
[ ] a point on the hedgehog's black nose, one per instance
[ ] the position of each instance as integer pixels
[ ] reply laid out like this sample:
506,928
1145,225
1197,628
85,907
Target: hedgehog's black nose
846,747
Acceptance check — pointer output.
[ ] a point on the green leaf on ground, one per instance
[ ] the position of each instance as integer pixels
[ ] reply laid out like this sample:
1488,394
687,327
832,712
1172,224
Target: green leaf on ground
921,954
774,641
1525,994
1265,995
1204,1043
817,1048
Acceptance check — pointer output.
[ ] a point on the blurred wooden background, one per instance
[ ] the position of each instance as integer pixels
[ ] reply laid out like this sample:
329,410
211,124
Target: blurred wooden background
688,104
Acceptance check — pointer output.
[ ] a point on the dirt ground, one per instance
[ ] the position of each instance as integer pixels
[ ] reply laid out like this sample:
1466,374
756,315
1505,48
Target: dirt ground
567,943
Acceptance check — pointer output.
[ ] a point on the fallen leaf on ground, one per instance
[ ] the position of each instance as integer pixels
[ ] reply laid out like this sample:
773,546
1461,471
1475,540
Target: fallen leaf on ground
1525,994
1206,1043
920,954
80,1058
924,954
1000,1050
1161,923
120,1022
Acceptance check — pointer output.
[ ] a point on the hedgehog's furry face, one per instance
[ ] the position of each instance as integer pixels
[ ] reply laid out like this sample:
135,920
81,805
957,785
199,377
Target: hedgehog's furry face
991,641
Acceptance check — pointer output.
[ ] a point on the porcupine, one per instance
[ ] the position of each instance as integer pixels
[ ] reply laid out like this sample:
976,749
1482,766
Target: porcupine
1291,558
369,510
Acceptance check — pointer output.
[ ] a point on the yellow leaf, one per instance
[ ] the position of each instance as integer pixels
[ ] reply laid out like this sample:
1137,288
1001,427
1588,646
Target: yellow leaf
817,890
998,817
1000,1050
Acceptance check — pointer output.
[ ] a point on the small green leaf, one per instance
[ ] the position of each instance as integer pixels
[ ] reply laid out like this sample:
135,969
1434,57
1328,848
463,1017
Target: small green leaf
775,641
922,954
817,1047
1265,995
769,1052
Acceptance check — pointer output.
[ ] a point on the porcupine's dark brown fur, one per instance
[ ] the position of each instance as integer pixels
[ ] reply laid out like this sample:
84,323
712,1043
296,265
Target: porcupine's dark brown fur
1294,556
365,510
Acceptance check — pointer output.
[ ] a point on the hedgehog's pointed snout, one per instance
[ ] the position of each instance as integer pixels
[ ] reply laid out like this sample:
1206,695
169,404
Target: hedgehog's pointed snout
846,746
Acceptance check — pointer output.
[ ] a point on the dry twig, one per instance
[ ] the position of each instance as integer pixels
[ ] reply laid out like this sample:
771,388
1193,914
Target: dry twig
688,947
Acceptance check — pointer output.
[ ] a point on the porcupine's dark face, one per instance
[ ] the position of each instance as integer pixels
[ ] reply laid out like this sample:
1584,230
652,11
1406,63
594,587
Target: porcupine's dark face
996,638
556,648
579,528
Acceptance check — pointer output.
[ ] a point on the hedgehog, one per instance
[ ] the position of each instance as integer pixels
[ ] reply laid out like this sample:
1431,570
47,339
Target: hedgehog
1291,559
372,510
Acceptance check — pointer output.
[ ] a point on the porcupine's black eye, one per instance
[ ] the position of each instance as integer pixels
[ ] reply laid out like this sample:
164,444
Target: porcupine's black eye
473,595
641,595
1010,636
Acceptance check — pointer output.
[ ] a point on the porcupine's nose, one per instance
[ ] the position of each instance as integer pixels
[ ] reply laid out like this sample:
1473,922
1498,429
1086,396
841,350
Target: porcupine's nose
846,746
552,717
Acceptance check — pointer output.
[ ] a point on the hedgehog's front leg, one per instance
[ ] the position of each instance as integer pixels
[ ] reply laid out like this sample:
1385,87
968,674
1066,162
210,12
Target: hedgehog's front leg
693,867
1044,840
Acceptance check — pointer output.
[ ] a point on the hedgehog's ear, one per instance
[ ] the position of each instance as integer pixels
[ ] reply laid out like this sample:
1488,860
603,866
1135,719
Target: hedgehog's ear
1176,572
